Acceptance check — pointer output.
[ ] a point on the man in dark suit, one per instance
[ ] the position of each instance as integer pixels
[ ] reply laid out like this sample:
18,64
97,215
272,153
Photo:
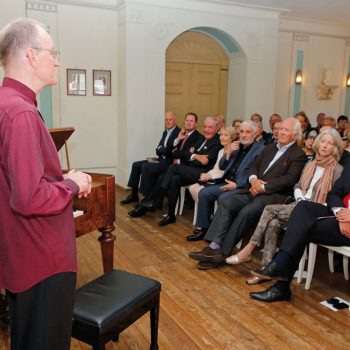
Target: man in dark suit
235,176
197,160
309,222
148,170
186,139
272,177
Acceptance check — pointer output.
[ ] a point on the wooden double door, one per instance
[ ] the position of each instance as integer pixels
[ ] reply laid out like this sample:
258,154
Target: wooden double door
196,76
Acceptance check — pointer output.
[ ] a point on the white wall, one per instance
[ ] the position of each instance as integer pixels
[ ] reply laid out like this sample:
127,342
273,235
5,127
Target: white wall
86,36
324,47
130,38
147,27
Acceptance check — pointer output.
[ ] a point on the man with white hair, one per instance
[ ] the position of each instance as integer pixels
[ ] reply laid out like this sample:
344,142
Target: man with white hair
272,177
38,250
235,176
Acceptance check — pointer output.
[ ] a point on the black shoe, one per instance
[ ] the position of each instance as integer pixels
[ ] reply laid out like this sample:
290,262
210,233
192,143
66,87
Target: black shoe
130,199
272,294
137,212
169,219
272,270
208,254
197,235
208,265
149,205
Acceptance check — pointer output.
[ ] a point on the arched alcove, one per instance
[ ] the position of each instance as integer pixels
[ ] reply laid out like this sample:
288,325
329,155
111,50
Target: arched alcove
197,72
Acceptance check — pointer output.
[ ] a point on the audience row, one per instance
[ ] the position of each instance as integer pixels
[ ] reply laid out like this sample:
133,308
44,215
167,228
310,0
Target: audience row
252,175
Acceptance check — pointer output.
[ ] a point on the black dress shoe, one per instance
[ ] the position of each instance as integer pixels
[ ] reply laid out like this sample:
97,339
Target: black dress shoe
137,212
272,270
272,294
149,205
169,219
197,235
208,254
129,199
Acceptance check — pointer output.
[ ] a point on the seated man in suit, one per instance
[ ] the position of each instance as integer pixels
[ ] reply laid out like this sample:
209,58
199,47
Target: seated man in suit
148,170
235,168
185,140
272,177
197,160
309,222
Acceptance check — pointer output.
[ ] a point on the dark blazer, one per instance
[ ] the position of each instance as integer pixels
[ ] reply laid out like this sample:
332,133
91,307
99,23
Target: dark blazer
243,169
190,142
340,189
211,148
166,153
345,158
282,175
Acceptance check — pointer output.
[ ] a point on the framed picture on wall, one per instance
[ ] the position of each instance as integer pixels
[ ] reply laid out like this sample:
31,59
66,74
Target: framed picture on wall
76,82
102,82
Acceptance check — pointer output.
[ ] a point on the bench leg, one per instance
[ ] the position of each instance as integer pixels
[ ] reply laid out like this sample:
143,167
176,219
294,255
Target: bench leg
154,312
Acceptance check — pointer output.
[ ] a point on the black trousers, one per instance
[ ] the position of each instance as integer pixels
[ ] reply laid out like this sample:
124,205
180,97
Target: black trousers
304,227
177,176
144,175
41,317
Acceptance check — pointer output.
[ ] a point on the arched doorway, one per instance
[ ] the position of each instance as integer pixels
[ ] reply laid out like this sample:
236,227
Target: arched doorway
196,76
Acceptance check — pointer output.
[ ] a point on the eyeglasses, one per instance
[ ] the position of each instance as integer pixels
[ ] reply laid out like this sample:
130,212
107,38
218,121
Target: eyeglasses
54,53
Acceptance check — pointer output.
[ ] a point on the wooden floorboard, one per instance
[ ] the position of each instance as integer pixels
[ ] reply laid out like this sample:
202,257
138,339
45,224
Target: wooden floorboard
211,309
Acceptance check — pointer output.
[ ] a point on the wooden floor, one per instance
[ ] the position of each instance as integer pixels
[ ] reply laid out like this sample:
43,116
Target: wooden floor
211,309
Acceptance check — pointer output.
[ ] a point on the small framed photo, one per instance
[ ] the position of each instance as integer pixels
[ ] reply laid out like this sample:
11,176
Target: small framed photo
102,82
76,82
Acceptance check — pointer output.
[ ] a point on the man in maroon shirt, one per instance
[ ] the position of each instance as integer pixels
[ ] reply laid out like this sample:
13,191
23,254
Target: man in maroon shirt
37,251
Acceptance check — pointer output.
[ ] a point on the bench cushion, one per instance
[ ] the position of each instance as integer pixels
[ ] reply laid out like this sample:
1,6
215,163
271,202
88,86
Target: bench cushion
107,300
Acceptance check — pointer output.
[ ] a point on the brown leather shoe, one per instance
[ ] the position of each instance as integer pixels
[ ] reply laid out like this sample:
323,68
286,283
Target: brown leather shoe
208,254
207,265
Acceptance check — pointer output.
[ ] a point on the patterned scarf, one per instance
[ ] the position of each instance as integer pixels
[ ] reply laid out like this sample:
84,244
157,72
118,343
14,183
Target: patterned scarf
324,184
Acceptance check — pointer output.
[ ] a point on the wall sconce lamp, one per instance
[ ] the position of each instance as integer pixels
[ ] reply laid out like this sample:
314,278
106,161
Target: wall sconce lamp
299,77
348,81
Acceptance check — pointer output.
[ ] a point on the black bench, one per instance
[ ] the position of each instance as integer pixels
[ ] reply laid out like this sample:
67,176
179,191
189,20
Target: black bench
109,304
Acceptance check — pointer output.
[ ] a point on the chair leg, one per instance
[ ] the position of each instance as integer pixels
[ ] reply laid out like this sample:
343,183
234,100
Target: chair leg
182,199
311,264
195,213
215,206
154,313
331,260
346,267
301,267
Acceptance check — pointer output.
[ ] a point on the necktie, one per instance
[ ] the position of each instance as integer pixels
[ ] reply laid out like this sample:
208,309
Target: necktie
177,161
184,141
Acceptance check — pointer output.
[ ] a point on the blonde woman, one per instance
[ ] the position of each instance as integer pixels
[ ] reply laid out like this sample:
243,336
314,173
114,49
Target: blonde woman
227,140
315,182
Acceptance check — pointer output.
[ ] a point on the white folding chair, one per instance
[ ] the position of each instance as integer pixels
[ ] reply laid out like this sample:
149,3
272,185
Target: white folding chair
344,250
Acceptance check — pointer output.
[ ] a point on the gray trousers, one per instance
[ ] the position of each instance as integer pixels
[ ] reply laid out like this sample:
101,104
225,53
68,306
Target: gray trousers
235,218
